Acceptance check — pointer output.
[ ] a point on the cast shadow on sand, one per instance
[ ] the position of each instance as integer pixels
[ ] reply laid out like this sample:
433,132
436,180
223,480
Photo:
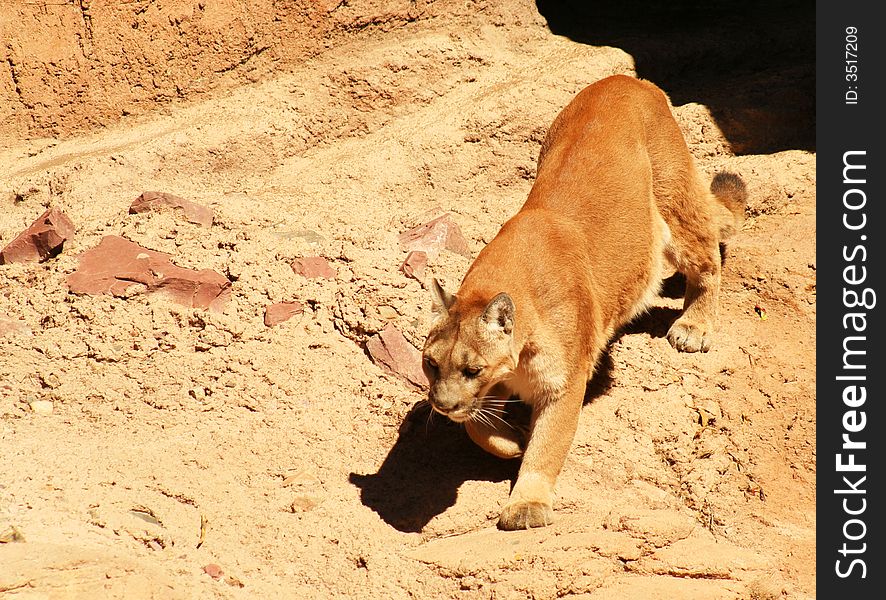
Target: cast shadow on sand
433,457
751,63
420,477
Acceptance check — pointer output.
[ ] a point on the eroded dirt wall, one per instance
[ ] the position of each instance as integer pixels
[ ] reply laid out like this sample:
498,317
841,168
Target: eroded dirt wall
69,66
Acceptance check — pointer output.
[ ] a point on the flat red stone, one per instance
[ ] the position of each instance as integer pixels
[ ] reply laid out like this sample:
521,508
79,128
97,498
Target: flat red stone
415,264
393,352
282,311
121,268
213,571
42,240
313,267
433,236
156,201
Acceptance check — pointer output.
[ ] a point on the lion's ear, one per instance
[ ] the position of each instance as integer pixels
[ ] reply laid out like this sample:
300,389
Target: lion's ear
499,314
442,299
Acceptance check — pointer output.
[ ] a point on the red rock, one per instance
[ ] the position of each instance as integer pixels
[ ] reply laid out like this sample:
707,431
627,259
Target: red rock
156,201
43,239
282,311
436,235
393,352
415,264
313,267
13,326
121,268
213,571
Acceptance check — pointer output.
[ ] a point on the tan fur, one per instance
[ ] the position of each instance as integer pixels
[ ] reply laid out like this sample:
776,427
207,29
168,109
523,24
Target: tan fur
617,204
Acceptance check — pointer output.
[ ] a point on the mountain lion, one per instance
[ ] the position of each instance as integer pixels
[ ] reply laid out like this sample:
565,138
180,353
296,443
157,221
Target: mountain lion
616,206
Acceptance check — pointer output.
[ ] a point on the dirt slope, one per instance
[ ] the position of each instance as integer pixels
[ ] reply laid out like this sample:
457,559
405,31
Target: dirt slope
317,473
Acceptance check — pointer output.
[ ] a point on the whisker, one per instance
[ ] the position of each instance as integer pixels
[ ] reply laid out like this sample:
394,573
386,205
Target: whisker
489,420
502,420
499,399
480,417
428,421
489,416
492,402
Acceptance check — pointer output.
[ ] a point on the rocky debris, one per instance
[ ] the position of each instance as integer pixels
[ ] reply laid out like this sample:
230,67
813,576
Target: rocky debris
42,240
137,522
312,267
485,549
13,326
658,527
157,201
414,265
11,534
123,268
462,553
393,352
282,311
701,556
434,236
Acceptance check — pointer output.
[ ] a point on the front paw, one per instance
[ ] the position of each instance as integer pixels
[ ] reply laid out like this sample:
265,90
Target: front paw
498,441
688,336
523,515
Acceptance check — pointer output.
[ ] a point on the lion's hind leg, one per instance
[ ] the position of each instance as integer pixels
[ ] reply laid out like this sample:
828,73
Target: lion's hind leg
694,250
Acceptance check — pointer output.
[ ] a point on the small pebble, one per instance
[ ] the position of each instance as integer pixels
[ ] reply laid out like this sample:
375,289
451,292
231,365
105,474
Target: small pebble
41,407
304,504
213,571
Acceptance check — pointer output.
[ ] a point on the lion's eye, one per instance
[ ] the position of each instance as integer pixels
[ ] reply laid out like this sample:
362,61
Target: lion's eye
471,372
431,362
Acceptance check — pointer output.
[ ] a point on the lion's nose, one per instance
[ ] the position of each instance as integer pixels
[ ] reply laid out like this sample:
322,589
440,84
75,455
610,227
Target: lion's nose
443,404
450,406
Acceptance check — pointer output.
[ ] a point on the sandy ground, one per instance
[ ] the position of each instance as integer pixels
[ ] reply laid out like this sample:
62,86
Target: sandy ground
316,473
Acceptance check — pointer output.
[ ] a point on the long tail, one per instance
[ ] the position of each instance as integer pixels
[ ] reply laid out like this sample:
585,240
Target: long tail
732,194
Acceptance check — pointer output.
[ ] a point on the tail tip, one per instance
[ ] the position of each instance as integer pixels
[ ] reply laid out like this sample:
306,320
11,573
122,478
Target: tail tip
730,187
732,194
